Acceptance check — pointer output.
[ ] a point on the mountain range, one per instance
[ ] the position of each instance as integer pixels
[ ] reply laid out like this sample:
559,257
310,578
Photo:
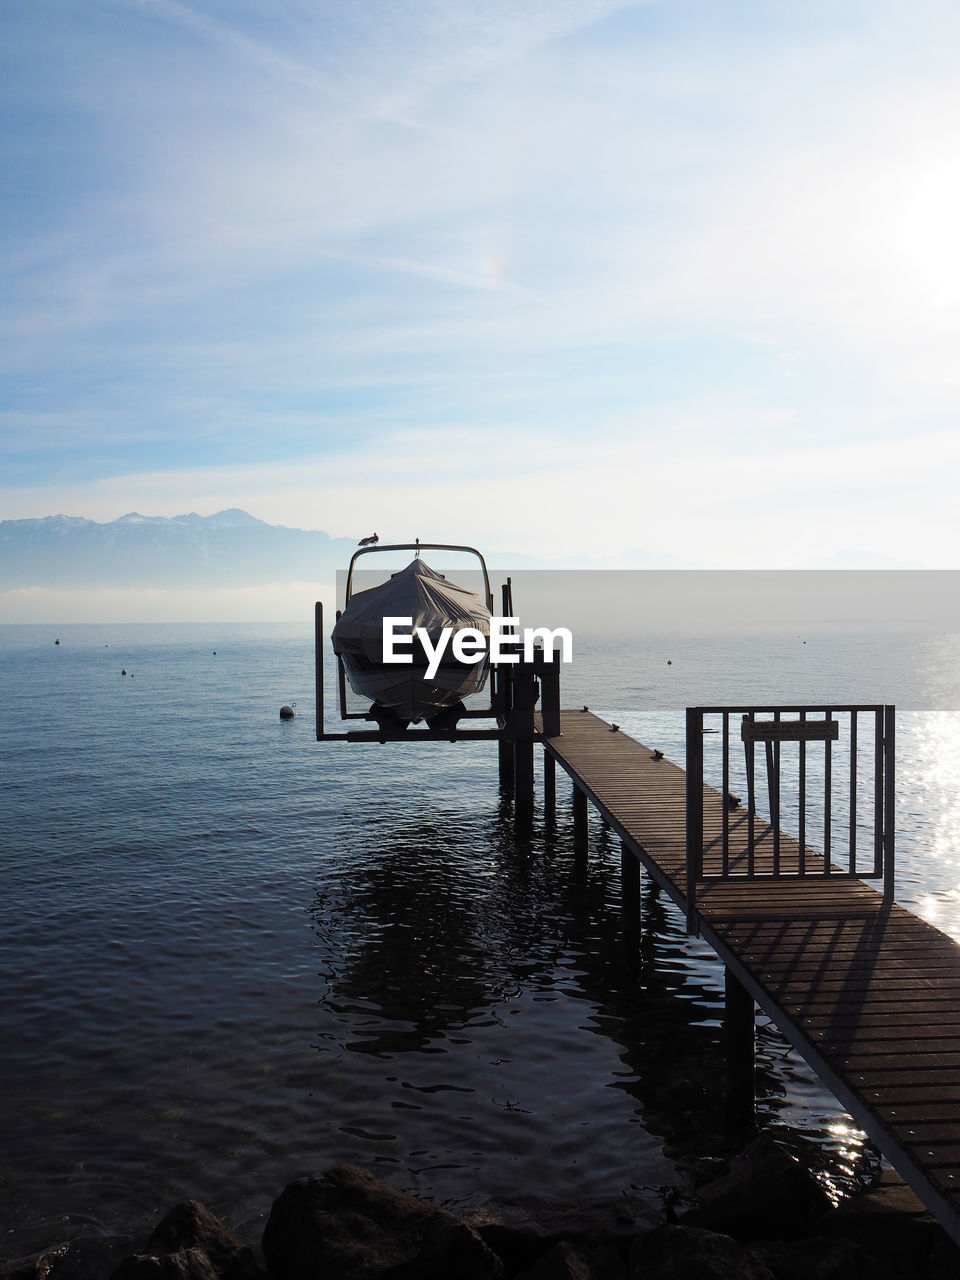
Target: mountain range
235,549
229,549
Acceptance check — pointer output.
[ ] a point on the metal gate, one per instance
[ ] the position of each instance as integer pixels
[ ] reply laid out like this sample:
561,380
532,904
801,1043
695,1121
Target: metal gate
818,803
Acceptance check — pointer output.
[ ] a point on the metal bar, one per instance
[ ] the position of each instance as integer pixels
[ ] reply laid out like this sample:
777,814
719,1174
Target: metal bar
827,799
418,547
889,801
342,685
694,812
504,676
791,707
548,673
762,877
773,791
412,735
725,730
878,801
748,748
318,664
853,792
802,789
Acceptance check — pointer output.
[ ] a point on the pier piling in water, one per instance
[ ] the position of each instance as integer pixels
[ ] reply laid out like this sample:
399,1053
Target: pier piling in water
630,884
740,1043
549,788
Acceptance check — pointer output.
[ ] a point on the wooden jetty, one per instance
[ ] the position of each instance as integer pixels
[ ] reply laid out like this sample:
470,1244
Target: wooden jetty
866,992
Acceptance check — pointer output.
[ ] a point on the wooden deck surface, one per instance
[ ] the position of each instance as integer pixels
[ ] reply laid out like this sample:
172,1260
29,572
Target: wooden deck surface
869,995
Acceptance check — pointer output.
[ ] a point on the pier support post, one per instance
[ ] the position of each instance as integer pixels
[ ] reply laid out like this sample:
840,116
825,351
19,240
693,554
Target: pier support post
549,787
740,1044
520,730
505,755
548,673
580,830
630,875
523,781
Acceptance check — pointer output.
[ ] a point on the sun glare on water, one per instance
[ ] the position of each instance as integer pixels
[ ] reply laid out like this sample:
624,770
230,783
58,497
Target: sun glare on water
928,783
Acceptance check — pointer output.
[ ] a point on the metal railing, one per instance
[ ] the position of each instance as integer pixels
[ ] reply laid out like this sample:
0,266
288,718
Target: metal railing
829,795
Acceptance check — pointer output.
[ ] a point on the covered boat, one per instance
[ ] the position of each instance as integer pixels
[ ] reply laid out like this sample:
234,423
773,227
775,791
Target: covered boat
402,692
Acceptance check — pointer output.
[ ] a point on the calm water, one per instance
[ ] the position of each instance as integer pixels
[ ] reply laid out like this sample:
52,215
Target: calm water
231,955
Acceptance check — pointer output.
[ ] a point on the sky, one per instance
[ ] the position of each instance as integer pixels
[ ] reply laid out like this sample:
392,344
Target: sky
545,276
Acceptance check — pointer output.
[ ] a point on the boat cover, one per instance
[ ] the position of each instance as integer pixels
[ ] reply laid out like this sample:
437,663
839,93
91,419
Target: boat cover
416,592
420,593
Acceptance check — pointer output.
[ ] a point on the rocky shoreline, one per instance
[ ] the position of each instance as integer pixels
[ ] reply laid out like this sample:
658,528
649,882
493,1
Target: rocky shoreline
763,1218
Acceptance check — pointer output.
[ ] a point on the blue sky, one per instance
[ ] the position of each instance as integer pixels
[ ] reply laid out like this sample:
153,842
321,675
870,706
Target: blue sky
533,274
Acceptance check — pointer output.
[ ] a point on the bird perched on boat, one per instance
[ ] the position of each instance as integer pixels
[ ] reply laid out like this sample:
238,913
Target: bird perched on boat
369,542
657,755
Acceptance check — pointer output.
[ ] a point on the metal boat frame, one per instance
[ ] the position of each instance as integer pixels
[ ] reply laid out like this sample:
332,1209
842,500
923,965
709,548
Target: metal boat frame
419,546
494,711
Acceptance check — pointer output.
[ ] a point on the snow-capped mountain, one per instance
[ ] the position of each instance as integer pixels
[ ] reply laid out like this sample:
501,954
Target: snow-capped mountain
229,549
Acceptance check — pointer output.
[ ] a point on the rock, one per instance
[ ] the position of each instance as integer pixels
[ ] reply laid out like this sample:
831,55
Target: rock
766,1195
185,1264
450,1247
691,1253
346,1224
85,1258
819,1259
525,1228
192,1226
890,1224
708,1169
25,1268
566,1261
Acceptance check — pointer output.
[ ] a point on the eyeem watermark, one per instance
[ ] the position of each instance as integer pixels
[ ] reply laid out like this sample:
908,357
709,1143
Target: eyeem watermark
470,646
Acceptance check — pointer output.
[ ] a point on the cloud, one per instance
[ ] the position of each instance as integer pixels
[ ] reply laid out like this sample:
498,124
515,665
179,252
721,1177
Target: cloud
716,506
488,262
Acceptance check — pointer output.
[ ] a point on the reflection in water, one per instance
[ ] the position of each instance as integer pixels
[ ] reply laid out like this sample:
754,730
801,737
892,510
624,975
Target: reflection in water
475,997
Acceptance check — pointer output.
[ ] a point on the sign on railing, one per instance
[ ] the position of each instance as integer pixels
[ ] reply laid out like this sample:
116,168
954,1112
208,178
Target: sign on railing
822,807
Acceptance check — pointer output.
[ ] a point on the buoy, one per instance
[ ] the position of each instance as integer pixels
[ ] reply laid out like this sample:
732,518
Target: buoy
287,713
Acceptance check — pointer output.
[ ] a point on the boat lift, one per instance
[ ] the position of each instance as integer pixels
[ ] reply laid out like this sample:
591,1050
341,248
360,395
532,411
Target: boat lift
513,687
515,690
